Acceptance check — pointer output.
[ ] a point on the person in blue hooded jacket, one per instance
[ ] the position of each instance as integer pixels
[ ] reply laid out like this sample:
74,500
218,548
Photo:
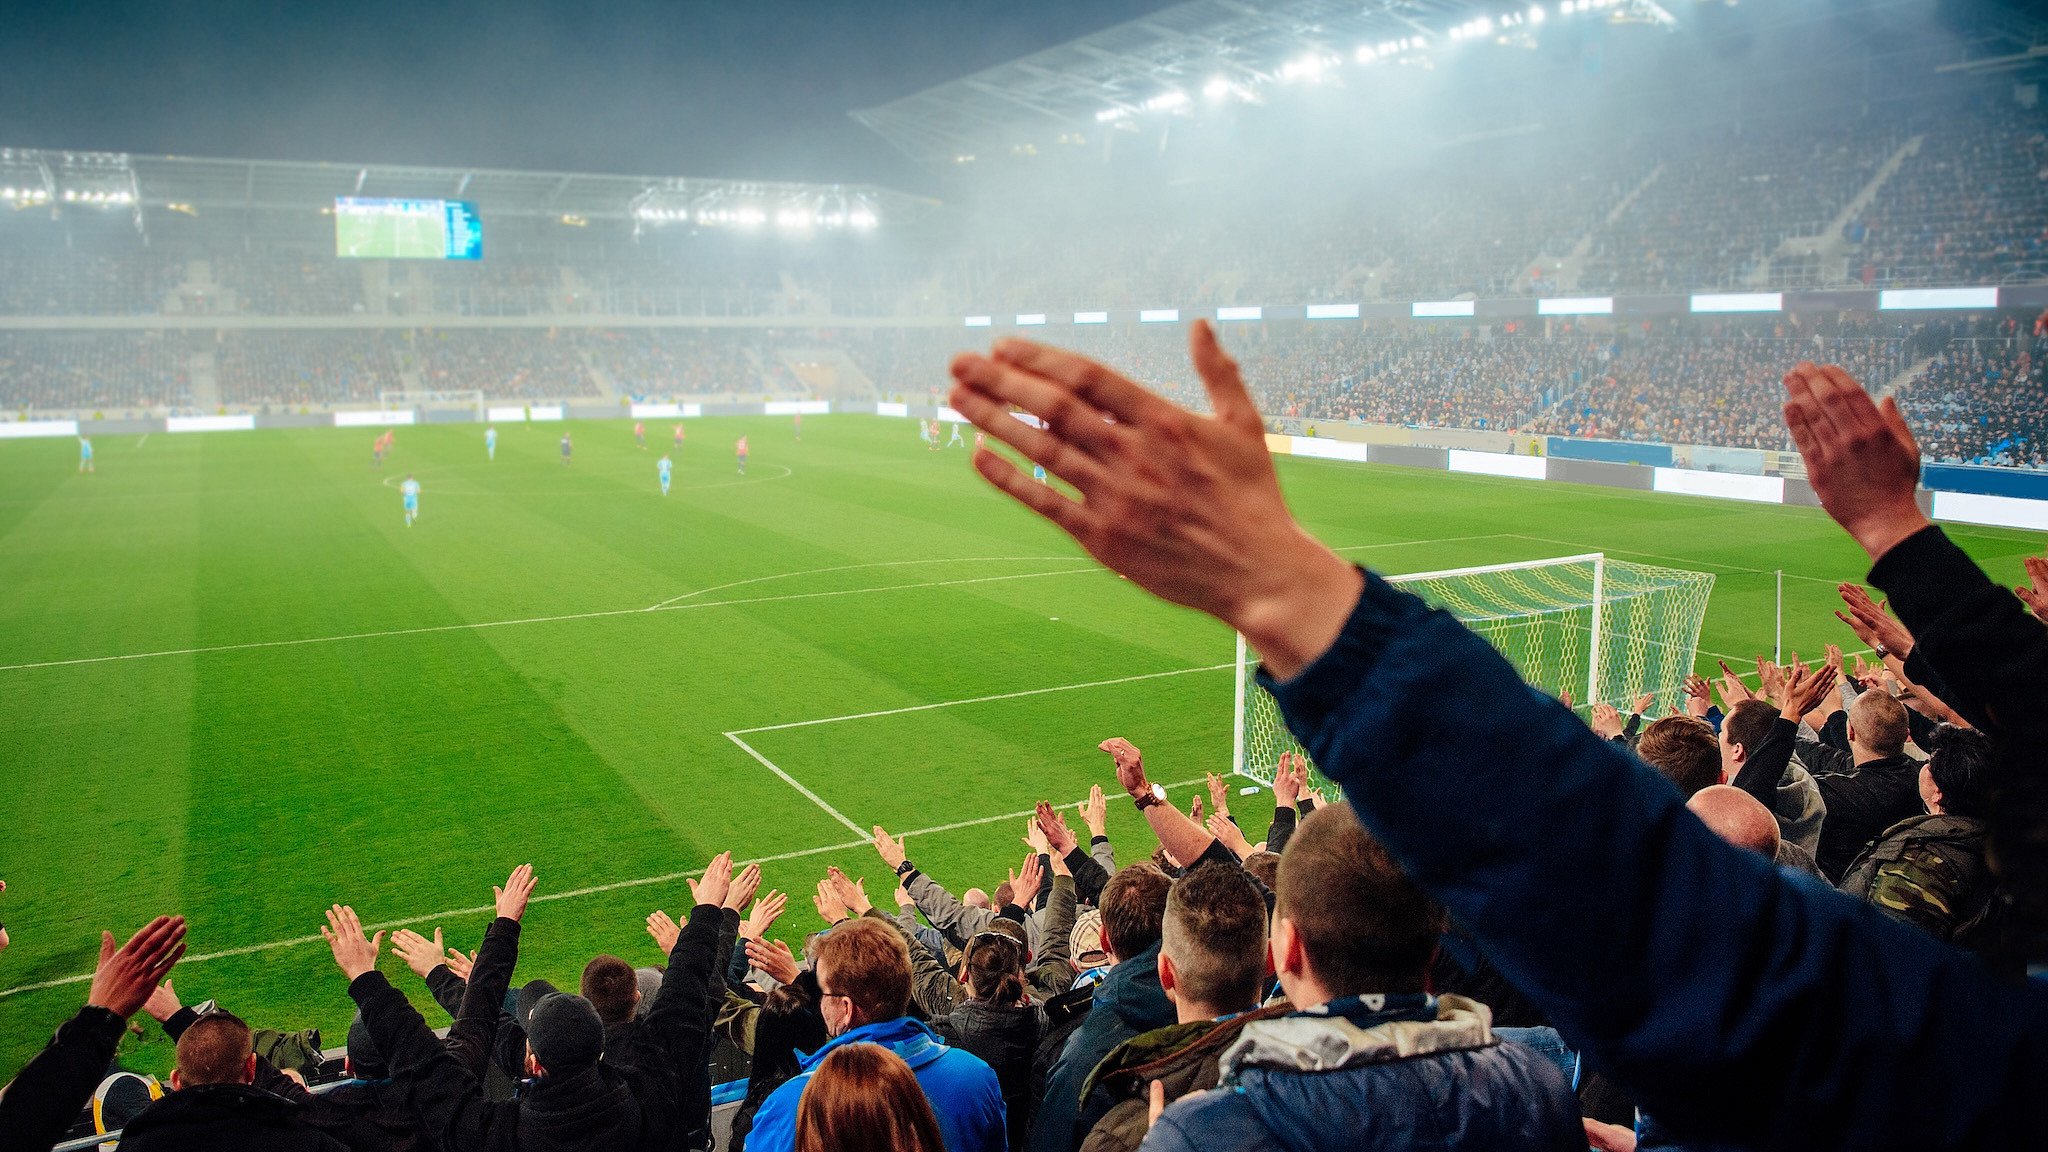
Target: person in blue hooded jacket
1734,1002
863,971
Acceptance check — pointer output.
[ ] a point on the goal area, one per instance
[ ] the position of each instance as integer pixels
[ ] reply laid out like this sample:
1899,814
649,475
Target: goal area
1605,631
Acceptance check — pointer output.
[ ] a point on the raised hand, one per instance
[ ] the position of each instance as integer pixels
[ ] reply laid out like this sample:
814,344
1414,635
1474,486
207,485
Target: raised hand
851,893
355,953
774,958
1289,778
460,963
1130,763
890,848
1025,883
1227,831
1187,506
743,888
1733,690
1831,655
1564,697
162,1003
1770,679
766,911
1034,836
1644,703
831,909
511,899
1807,688
1860,458
1606,721
1219,794
1095,812
1058,837
1698,697
1874,623
1195,808
664,929
2034,594
716,881
126,976
419,953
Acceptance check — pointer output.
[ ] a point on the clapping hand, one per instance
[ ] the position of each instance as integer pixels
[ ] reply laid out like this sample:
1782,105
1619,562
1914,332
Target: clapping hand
1860,458
1095,812
511,899
716,882
1130,765
162,1003
1606,721
1232,837
1644,703
890,848
1873,622
1058,837
831,909
1219,795
766,911
1025,882
460,963
2034,594
852,894
774,958
355,953
1290,776
743,887
419,953
664,929
1698,697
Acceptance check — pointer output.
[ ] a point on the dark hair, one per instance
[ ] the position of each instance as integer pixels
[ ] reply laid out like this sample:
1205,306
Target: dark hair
1880,723
612,987
1683,750
1133,904
1214,931
870,967
1960,763
994,966
788,1023
1264,867
214,1050
1367,928
1748,723
864,1098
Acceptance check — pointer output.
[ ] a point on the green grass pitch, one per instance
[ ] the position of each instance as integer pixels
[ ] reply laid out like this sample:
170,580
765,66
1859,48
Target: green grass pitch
490,687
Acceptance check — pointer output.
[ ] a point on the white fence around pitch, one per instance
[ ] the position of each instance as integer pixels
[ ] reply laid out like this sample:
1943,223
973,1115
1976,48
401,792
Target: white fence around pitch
382,419
25,429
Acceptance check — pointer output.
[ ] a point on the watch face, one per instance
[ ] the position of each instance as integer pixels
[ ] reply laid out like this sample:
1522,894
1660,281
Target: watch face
1159,791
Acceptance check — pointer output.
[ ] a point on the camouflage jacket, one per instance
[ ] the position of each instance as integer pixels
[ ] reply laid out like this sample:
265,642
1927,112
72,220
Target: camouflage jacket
1930,872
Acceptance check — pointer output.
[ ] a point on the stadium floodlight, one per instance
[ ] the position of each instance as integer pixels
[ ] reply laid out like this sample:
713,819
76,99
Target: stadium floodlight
1333,311
1367,54
1166,100
1030,319
1575,306
1536,14
1109,114
1159,316
1216,89
1909,299
980,321
862,218
1439,309
1091,317
1739,302
1241,313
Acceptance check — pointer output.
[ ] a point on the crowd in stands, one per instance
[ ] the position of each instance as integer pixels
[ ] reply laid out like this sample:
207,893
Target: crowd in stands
102,372
290,283
1971,207
38,280
528,363
305,367
1983,400
655,363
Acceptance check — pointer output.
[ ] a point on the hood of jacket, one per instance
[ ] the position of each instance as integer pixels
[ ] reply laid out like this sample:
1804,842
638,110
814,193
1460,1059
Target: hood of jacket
220,1115
593,1108
982,1028
1173,1052
1379,1030
911,1039
1132,991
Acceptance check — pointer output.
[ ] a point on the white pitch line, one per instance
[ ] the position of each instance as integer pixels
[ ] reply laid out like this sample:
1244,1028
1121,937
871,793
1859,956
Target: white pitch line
144,440
850,568
598,615
981,699
573,893
795,783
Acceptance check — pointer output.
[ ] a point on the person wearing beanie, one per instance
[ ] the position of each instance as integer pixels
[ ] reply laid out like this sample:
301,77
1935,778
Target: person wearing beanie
575,1101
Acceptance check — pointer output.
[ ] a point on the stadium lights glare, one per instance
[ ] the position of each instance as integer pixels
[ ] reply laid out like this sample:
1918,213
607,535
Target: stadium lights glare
1159,316
1166,100
1536,14
1030,319
1091,317
1109,114
1216,89
980,321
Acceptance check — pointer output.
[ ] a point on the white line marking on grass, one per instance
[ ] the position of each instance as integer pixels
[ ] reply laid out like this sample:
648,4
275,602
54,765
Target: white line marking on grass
544,897
479,626
849,568
1418,543
795,783
144,440
982,699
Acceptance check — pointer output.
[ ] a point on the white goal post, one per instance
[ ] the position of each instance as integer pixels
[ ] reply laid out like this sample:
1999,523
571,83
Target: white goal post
1605,631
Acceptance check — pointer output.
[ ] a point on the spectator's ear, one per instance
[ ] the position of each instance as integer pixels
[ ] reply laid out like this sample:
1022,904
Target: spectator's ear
1286,947
249,1069
1168,978
177,1081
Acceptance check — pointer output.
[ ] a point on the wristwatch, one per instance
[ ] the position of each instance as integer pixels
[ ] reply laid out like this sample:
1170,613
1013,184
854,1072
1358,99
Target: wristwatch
1156,796
905,868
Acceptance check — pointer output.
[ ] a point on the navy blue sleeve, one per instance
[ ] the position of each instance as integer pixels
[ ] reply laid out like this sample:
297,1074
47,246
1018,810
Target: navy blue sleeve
1734,1001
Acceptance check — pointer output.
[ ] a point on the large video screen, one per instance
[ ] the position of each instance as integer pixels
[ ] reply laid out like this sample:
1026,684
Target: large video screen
372,229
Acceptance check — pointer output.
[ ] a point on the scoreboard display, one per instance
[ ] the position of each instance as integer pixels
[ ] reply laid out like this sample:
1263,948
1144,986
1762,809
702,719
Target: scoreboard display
374,229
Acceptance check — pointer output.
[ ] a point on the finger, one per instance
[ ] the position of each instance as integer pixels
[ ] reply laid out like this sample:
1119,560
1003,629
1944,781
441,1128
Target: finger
1043,499
1068,418
106,947
1228,397
1896,421
377,943
1101,386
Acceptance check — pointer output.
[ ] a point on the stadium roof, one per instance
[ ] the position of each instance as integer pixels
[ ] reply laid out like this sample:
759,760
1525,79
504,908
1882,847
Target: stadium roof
1171,55
113,178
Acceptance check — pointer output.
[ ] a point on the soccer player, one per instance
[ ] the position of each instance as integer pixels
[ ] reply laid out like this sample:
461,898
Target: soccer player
566,448
679,437
84,454
377,453
640,435
410,490
956,440
1038,473
491,441
740,450
980,439
665,468
932,438
799,427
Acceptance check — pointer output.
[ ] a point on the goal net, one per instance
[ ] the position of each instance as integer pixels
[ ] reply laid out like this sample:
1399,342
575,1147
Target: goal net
1603,631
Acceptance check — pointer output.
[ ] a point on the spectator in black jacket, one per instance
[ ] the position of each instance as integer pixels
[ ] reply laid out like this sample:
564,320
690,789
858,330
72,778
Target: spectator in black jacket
215,1103
575,1101
45,1098
1867,789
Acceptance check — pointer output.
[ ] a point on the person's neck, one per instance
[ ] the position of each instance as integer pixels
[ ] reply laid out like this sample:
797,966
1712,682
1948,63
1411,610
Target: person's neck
1185,1012
1859,755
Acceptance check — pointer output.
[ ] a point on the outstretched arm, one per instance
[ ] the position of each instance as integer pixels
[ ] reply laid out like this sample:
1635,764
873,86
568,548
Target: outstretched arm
1732,1000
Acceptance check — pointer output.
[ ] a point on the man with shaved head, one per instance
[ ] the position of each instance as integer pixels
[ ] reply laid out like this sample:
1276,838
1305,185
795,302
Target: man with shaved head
1737,817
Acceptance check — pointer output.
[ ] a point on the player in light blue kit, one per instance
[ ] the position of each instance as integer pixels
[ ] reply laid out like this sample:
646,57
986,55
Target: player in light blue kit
84,454
666,469
491,442
410,489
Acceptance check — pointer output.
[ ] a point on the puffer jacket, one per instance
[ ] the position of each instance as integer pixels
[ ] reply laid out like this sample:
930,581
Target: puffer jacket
1005,1036
1930,872
1406,1072
1186,1058
1127,1001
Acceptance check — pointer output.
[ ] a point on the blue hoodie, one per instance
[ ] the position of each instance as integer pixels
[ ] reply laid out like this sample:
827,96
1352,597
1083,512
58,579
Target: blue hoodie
1128,1001
963,1091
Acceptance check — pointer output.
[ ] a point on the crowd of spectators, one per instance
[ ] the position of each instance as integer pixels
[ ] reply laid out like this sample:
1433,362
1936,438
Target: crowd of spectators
43,281
289,283
1971,207
655,363
304,367
529,363
64,372
1983,400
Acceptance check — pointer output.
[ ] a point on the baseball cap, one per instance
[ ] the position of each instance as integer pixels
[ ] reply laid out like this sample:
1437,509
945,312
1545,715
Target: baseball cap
1085,943
650,987
563,1030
